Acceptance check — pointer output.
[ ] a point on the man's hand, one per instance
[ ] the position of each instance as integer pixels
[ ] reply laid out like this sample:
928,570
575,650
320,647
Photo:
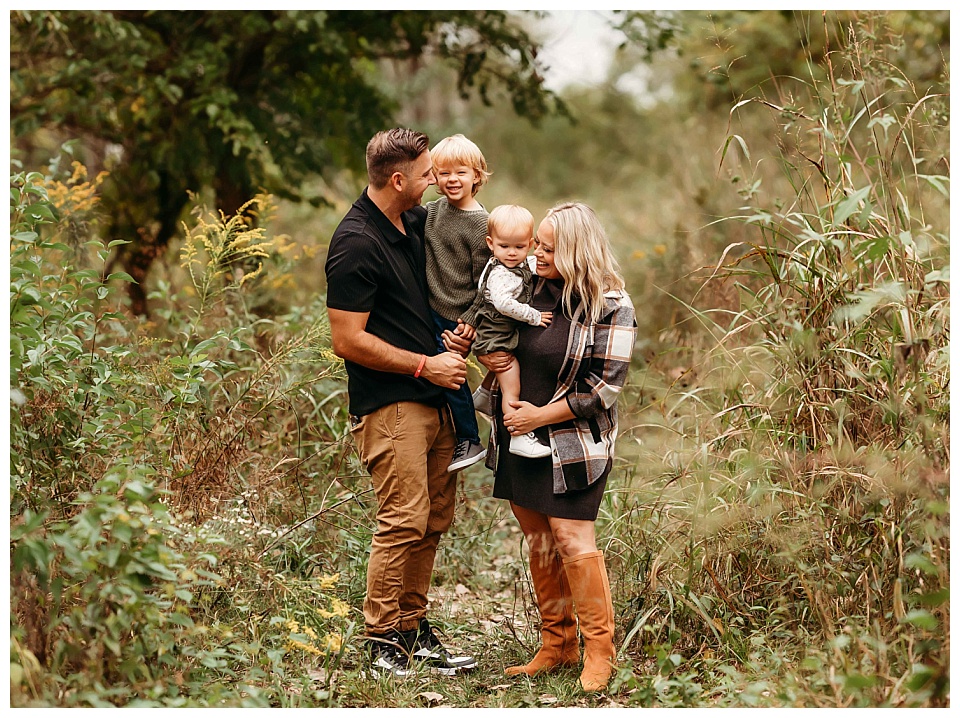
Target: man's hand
448,370
496,361
352,342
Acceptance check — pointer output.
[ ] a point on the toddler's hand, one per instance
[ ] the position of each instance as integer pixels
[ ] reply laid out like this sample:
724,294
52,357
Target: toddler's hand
546,318
465,330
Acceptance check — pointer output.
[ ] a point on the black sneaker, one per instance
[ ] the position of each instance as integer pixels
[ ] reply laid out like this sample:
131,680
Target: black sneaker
424,645
388,656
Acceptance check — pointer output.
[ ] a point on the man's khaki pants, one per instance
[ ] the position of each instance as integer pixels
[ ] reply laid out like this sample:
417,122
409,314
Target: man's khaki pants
406,447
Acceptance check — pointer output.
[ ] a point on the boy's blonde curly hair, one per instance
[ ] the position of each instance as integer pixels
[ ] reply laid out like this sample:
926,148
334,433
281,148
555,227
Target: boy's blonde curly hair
458,150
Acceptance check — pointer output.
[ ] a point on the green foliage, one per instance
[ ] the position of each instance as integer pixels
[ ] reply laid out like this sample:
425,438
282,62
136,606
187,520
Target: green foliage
58,373
720,49
236,101
121,448
118,593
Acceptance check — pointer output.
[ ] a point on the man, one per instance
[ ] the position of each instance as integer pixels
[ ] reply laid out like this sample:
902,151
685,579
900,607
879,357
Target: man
381,325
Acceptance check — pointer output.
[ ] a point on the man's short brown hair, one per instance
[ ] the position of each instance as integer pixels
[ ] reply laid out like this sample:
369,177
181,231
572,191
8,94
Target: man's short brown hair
392,151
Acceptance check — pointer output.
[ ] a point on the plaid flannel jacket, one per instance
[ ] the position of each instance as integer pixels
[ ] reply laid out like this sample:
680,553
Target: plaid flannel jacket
592,375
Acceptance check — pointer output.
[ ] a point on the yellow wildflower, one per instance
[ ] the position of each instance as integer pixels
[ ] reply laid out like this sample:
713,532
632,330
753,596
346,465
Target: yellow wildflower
79,172
293,643
333,643
325,582
660,249
338,609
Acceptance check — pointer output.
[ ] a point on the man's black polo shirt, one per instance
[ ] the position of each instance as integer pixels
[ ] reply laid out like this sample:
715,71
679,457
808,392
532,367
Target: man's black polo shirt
372,267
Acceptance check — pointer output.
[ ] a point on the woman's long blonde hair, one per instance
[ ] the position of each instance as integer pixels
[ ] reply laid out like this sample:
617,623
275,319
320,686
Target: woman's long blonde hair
583,257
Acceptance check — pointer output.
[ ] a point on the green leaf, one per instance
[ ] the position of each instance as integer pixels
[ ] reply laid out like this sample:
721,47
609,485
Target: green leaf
111,643
921,676
122,276
849,205
921,562
858,681
938,275
16,674
936,598
921,619
180,619
136,490
877,247
937,182
40,211
854,85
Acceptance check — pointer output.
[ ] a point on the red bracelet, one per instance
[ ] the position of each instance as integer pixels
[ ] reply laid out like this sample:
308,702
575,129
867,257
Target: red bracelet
423,360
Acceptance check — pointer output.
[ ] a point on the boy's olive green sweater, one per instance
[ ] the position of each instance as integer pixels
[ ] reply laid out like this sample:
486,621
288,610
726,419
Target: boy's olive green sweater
457,252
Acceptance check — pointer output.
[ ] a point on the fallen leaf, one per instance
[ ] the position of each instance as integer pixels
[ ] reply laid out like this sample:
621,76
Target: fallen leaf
431,698
462,590
319,675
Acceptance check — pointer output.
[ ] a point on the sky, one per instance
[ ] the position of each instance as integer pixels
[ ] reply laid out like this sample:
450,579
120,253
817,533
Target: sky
577,47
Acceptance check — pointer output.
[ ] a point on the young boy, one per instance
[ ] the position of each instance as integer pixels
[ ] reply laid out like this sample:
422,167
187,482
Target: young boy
505,287
456,253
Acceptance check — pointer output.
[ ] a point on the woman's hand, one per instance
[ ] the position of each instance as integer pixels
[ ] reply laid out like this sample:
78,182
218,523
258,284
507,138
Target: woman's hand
496,362
524,418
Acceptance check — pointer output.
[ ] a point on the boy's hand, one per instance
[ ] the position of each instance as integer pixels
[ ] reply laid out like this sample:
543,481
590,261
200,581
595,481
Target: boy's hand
465,330
546,318
454,342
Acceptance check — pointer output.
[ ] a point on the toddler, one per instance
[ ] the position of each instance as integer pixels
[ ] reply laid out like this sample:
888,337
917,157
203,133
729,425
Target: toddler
504,288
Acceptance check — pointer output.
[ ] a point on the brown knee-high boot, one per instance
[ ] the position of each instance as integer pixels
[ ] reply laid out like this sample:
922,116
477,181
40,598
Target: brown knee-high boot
591,595
558,632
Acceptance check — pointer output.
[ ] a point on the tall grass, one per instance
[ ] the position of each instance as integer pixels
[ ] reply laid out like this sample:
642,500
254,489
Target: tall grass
788,513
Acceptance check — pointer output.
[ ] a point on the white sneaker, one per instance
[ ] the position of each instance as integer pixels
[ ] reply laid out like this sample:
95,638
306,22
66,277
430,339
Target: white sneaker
482,403
466,454
529,446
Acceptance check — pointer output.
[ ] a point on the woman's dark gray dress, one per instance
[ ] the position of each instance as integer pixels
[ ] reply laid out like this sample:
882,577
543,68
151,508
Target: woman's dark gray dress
529,482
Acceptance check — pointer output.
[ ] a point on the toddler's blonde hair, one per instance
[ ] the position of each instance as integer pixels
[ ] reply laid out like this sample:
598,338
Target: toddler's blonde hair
458,150
507,217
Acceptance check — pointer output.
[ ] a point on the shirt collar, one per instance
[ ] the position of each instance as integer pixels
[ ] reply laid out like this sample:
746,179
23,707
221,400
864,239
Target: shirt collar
386,227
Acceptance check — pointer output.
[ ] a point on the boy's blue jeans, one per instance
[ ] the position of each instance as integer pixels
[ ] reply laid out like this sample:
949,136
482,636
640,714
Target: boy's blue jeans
460,400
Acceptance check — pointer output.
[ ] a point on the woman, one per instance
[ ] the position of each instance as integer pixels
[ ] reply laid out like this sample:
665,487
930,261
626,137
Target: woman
571,373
